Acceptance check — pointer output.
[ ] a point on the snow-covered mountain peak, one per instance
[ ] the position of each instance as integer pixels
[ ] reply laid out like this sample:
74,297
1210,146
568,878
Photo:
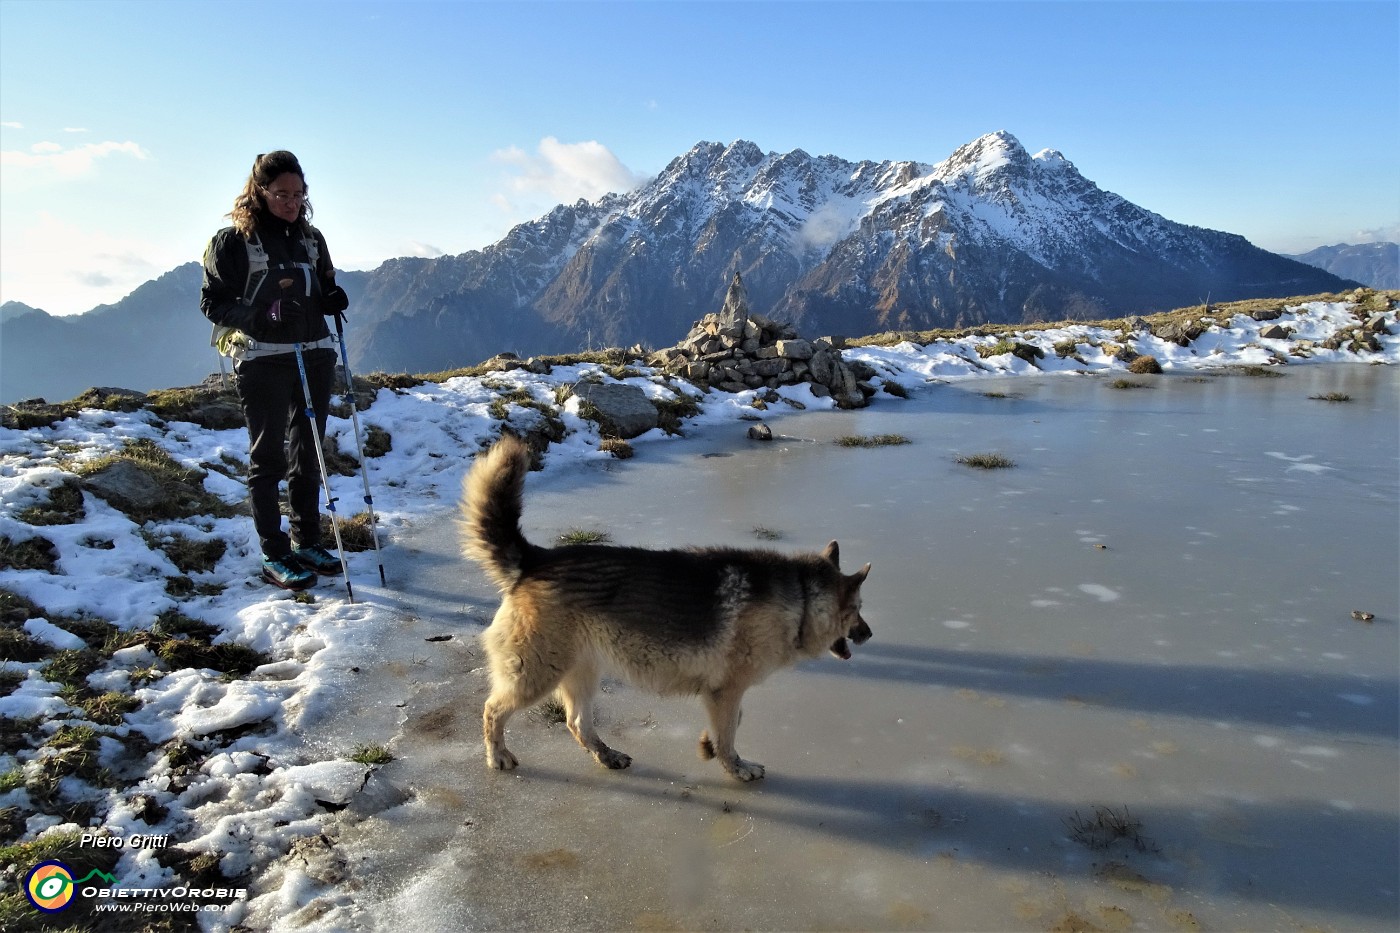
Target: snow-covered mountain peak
989,233
984,161
741,154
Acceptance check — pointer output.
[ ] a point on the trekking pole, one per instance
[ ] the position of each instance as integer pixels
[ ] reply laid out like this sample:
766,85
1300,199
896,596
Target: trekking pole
321,460
359,447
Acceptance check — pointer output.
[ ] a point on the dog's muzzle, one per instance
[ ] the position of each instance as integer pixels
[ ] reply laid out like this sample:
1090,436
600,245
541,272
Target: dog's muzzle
860,634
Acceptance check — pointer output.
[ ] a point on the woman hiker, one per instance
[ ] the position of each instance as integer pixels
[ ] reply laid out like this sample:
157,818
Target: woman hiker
268,285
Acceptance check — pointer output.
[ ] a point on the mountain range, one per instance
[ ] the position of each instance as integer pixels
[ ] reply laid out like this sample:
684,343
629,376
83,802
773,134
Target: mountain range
1374,264
992,234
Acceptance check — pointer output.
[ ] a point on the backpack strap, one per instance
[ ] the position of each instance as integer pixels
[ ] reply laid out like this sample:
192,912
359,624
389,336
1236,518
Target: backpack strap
257,267
313,250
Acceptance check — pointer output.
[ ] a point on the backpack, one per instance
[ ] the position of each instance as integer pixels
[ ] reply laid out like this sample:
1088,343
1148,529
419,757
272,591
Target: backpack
232,342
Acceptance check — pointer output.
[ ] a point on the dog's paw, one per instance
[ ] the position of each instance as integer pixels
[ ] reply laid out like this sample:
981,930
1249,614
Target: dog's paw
612,758
706,749
501,760
746,771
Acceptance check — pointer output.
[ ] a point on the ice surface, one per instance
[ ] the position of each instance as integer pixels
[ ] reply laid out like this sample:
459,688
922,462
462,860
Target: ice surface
1022,680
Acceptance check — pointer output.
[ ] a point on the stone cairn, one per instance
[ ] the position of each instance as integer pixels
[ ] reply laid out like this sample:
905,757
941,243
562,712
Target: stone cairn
736,350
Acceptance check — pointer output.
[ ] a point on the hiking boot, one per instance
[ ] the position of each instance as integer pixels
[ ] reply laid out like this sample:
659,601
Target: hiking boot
317,559
286,573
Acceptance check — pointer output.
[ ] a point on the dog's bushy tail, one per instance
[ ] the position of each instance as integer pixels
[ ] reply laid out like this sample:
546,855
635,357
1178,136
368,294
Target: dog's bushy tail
491,507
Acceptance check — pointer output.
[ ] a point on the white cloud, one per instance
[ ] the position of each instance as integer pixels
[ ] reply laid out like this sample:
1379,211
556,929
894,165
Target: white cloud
1390,233
833,221
563,172
12,125
49,159
423,250
63,268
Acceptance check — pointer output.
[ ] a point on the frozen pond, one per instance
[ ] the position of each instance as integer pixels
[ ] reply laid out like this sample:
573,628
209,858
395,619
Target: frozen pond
1118,683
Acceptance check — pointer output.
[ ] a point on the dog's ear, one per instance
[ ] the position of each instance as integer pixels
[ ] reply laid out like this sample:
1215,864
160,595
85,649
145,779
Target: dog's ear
857,578
832,552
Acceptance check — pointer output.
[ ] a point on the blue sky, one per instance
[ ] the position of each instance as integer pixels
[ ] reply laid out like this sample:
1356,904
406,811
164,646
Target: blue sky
127,126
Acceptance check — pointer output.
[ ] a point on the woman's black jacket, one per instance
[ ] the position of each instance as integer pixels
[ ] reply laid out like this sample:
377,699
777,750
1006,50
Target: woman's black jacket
291,277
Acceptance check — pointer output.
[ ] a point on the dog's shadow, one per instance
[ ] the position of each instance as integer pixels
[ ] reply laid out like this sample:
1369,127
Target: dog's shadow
1193,846
1208,692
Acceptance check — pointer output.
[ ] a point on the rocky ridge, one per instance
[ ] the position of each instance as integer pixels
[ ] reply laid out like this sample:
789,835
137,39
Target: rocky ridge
735,350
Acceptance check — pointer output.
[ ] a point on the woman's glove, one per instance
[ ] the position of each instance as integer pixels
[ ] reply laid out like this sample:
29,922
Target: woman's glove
334,300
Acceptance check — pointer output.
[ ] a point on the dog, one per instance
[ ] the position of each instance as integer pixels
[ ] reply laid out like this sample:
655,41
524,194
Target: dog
709,621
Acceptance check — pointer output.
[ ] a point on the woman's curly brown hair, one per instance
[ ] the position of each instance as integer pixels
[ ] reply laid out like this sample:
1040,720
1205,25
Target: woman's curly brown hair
251,203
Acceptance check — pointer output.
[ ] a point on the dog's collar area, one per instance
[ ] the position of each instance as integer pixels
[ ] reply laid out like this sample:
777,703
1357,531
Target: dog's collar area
799,643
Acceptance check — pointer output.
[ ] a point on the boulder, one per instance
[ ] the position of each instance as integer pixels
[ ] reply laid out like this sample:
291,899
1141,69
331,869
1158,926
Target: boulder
734,316
110,399
622,410
821,365
127,487
1180,333
863,370
794,349
845,388
770,368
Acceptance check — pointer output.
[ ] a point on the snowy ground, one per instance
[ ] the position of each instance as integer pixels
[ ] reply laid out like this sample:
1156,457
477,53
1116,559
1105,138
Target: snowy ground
266,795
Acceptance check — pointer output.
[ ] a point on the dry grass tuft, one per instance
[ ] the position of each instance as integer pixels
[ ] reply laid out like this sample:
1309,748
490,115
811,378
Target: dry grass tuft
584,536
986,461
875,440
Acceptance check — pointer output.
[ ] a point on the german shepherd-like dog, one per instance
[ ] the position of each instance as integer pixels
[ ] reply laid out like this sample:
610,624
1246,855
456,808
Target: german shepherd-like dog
707,621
